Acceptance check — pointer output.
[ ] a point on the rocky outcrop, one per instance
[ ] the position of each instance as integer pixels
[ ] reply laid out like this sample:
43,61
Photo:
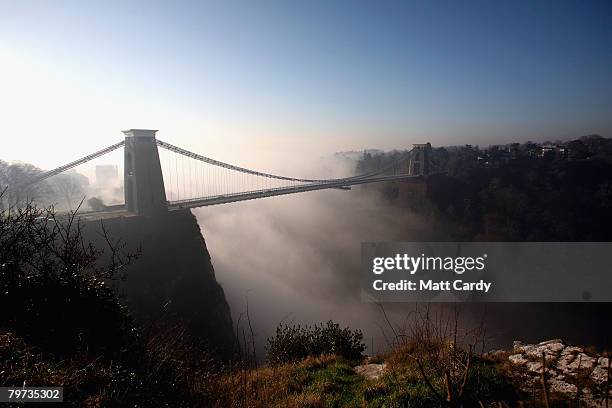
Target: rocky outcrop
172,283
371,371
570,370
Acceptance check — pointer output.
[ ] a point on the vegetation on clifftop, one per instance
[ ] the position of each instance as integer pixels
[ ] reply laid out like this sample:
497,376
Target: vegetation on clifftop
558,191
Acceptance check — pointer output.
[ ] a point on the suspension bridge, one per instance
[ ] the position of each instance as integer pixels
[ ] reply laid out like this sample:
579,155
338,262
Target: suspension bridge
180,179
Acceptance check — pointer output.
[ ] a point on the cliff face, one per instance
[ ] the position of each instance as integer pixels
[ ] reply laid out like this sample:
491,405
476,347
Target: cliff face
173,279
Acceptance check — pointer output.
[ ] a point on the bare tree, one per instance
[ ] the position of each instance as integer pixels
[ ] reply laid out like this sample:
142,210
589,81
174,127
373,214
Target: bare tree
15,183
53,281
69,189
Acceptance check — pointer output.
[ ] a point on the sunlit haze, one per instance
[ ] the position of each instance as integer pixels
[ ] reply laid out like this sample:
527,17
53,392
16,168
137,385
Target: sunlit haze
252,82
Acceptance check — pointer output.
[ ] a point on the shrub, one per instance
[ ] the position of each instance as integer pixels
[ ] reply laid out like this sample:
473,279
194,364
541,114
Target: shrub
292,343
53,290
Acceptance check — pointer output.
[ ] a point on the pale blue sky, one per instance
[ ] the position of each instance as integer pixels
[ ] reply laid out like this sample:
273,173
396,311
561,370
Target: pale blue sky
271,76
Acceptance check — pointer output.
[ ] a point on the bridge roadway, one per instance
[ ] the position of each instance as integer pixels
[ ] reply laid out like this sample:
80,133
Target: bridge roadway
272,192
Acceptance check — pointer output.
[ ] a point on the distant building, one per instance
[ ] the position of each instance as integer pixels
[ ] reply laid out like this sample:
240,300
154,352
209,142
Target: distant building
106,175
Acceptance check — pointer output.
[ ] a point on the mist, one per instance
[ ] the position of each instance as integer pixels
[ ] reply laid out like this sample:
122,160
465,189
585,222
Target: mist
297,257
296,260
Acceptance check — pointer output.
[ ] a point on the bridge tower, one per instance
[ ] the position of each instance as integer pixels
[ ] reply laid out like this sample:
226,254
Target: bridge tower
420,160
143,179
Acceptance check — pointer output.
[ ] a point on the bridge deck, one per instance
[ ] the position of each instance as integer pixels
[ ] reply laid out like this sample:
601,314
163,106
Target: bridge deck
251,195
116,211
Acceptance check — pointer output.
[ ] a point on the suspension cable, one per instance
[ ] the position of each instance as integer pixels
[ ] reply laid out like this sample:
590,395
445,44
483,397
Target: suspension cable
214,162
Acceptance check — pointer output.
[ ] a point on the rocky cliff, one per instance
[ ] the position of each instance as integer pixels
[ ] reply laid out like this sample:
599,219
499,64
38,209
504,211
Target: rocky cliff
173,280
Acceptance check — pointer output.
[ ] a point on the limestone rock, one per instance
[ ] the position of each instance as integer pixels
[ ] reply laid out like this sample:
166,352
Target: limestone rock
553,341
563,364
599,374
534,366
517,345
566,368
582,362
371,371
561,386
572,350
554,347
517,359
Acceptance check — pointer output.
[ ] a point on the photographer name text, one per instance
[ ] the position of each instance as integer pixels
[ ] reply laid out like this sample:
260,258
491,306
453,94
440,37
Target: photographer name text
437,286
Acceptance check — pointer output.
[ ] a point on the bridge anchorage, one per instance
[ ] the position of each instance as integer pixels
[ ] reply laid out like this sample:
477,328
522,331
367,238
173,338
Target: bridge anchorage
155,183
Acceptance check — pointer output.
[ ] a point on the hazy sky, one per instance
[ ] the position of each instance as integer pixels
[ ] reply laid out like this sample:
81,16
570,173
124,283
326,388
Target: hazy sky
231,78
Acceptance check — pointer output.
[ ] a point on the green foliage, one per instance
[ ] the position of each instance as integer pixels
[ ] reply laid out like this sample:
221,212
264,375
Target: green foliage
403,384
292,343
336,383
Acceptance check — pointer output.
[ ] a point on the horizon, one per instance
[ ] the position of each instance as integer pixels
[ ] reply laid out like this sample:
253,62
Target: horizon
88,170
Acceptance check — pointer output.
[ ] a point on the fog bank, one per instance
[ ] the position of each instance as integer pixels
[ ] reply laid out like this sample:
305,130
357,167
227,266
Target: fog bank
297,257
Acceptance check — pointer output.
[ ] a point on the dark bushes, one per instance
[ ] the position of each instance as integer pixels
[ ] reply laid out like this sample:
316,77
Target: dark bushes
292,343
52,284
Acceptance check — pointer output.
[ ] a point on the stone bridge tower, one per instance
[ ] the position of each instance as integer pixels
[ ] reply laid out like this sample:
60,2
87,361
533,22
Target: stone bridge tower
420,159
143,179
